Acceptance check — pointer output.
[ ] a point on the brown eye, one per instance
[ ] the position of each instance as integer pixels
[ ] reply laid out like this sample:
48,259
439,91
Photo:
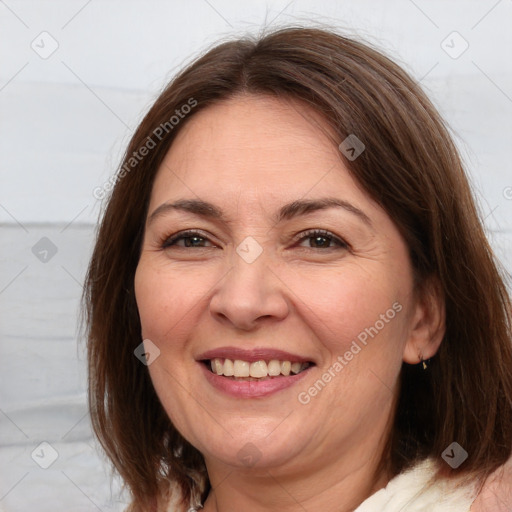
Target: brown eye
189,239
321,239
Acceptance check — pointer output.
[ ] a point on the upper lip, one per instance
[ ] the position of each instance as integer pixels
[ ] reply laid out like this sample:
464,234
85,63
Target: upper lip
252,355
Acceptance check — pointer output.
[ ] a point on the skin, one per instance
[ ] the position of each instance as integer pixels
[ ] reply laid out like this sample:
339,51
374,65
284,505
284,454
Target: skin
496,494
249,156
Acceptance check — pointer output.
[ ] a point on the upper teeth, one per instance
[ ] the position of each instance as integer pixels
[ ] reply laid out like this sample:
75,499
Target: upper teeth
257,369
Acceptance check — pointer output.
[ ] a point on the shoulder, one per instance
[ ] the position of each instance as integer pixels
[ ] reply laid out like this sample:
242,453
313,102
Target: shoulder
414,491
496,494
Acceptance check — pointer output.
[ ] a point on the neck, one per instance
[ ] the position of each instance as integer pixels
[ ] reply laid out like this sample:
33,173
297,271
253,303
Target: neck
331,486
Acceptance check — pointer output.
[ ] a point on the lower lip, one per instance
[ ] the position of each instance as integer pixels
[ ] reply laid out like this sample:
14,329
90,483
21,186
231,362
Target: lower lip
251,389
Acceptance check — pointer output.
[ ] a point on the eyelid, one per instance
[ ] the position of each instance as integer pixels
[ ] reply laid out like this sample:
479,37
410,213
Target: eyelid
322,233
166,241
170,240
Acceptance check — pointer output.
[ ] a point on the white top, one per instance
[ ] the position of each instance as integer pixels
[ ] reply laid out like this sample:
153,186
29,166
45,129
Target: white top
409,492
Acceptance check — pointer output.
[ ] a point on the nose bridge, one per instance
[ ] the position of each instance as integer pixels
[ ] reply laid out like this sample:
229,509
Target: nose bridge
249,290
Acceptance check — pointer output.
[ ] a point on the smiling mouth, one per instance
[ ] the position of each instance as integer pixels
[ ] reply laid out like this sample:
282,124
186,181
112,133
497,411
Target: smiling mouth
237,369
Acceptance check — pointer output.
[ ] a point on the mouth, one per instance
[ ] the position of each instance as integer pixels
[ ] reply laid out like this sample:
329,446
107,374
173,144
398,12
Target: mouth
251,371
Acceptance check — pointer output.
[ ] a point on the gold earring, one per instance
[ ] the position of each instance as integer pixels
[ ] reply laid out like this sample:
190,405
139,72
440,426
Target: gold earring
424,363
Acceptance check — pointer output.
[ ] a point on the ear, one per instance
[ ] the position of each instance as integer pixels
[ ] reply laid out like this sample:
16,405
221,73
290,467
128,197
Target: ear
428,322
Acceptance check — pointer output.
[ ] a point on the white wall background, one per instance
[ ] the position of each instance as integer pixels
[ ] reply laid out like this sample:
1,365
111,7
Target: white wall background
64,121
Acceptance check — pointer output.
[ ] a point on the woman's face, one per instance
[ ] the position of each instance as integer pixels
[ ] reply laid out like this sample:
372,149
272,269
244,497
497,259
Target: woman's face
274,271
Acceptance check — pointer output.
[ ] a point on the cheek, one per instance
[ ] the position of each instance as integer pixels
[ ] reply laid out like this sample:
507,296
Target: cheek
168,298
359,305
157,301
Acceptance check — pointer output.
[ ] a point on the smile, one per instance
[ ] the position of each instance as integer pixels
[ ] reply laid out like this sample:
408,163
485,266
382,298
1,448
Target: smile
238,369
253,373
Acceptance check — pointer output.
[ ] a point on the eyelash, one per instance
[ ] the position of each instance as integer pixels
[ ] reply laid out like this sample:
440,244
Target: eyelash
313,233
322,233
171,240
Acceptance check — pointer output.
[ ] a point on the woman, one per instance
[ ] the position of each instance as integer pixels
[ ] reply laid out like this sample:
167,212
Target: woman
291,304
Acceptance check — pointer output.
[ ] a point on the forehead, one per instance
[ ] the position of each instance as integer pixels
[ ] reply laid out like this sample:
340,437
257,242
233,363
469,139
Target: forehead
254,146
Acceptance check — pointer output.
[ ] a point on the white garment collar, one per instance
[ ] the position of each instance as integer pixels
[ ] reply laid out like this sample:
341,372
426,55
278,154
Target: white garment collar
409,492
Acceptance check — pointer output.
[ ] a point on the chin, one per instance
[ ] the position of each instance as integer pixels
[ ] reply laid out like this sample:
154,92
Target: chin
260,447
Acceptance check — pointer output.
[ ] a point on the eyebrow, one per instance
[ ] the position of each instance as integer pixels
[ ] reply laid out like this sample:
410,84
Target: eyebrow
286,212
303,207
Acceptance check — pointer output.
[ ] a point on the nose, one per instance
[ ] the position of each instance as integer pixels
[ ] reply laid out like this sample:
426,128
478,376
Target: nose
249,294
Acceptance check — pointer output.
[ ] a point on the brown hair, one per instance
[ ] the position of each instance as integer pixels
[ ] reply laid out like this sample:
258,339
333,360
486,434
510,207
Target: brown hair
410,167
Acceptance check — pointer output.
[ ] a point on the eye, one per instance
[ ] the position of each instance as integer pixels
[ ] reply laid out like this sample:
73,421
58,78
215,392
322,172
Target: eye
322,239
189,239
